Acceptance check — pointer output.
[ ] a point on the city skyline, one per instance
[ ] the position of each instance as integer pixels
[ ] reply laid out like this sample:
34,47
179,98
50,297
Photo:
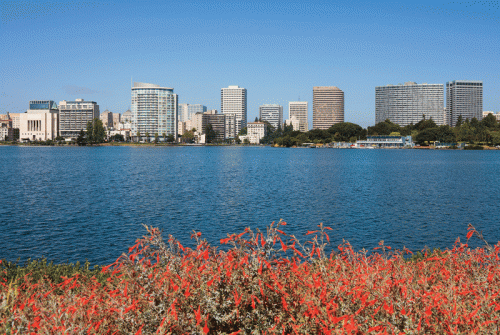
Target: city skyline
277,51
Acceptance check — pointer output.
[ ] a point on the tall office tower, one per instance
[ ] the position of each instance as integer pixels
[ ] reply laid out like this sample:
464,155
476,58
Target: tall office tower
154,110
234,106
409,103
74,116
328,106
273,114
297,111
182,112
107,119
40,122
463,97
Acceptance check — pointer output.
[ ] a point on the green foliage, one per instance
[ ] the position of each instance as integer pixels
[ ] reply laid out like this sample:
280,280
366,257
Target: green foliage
171,138
210,133
95,132
187,137
343,132
383,128
117,138
243,131
81,139
474,147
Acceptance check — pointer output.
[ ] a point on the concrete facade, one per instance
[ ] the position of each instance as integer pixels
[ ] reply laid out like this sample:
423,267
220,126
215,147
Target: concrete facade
256,131
328,106
107,119
74,116
298,114
234,102
40,122
465,98
407,104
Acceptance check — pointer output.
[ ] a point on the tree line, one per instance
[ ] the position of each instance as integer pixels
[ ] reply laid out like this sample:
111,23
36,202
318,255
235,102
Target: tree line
425,132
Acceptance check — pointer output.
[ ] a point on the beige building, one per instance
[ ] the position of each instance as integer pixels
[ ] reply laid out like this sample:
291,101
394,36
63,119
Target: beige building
126,116
40,122
116,119
328,106
234,106
297,111
256,131
107,119
16,120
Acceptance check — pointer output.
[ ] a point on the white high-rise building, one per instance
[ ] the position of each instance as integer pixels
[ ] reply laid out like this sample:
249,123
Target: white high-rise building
465,98
297,113
234,106
273,114
154,110
409,103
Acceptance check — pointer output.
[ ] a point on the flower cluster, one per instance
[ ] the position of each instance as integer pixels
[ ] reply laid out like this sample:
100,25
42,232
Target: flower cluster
265,283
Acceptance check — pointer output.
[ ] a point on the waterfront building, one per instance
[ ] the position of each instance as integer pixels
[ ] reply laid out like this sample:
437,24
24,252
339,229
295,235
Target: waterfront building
273,114
126,116
74,116
40,122
16,121
297,113
409,103
256,131
385,141
218,122
234,106
154,110
465,98
497,115
107,119
328,106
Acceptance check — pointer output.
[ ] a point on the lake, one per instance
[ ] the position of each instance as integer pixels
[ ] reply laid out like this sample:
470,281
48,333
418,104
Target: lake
77,203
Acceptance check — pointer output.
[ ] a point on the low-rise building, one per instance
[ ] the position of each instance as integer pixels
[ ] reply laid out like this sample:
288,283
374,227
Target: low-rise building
497,115
256,131
385,141
6,130
40,122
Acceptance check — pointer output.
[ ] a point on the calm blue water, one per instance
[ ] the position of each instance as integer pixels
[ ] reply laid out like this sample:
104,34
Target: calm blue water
70,204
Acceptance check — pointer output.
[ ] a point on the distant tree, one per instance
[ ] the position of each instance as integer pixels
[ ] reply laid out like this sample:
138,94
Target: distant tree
164,135
210,133
256,119
99,134
157,137
138,134
81,139
246,141
243,131
490,121
147,137
188,136
459,121
424,124
344,131
171,138
117,138
383,128
90,133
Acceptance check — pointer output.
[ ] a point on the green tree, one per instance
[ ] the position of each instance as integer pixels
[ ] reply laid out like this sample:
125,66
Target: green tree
157,137
117,138
98,132
490,121
138,134
243,131
210,133
188,136
147,137
171,138
81,139
164,135
344,131
383,128
90,133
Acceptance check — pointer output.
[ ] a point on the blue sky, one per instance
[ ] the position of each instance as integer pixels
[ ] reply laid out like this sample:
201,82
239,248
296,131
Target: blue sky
277,50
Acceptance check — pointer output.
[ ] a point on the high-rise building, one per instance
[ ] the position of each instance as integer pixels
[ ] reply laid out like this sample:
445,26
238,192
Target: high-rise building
107,119
465,98
116,120
297,112
409,103
40,122
154,110
234,103
74,116
273,114
328,106
186,111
